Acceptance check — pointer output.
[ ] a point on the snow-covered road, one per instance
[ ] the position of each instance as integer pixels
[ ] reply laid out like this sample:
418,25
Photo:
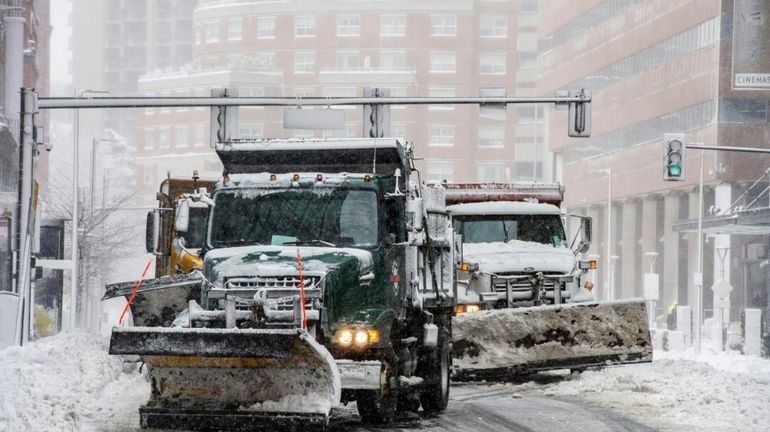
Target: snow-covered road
69,383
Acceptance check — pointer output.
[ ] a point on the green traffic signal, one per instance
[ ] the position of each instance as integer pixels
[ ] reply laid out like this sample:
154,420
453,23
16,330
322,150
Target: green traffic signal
674,170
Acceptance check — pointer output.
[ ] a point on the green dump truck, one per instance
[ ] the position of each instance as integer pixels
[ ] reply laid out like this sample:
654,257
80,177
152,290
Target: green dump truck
328,276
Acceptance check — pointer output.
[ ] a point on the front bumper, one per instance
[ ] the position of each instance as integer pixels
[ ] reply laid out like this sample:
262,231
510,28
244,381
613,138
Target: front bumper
360,375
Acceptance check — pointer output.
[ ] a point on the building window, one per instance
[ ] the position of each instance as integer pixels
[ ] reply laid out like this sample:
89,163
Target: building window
165,138
303,133
251,130
440,170
442,62
304,62
529,114
304,26
304,92
264,61
212,31
527,59
149,175
198,34
441,92
198,138
348,25
398,129
492,64
393,60
347,60
393,25
182,138
443,25
234,29
493,26
350,131
265,27
441,135
149,139
528,7
491,137
491,172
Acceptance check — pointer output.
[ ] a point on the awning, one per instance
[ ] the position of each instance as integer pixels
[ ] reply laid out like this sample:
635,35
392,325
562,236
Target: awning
747,222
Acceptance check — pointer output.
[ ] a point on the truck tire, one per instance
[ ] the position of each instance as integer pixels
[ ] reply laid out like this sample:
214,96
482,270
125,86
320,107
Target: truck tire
435,396
378,406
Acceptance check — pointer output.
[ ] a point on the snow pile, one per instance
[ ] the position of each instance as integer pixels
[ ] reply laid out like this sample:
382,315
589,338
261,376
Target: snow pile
68,382
679,391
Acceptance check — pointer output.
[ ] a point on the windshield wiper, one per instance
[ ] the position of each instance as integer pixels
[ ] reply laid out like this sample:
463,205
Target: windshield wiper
310,242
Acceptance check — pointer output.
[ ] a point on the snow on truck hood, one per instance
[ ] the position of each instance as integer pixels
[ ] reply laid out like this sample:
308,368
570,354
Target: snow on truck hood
517,255
281,260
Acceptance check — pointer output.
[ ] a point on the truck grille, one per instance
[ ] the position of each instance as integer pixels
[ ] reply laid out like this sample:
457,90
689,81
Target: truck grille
522,289
280,282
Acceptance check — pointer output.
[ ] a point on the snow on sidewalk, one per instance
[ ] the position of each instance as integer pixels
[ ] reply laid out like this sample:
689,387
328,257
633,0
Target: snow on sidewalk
68,382
678,391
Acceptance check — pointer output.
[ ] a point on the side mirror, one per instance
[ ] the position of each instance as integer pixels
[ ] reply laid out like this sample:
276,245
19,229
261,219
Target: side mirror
152,232
182,217
149,231
585,235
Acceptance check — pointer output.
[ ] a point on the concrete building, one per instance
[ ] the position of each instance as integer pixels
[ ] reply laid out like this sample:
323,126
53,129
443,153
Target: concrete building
695,67
337,48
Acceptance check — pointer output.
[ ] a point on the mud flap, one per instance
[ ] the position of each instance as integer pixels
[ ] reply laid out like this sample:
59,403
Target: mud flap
506,342
239,378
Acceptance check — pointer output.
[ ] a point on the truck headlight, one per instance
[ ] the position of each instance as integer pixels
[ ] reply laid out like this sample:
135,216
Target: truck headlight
360,337
465,308
344,337
588,265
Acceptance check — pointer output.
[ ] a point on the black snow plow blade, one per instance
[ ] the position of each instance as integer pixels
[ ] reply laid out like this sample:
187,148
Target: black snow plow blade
503,343
158,301
232,379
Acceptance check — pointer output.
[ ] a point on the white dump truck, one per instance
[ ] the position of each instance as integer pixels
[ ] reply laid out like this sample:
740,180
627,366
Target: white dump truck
523,301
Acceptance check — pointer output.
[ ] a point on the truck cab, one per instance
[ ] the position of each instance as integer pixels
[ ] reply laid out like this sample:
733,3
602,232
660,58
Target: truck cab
516,252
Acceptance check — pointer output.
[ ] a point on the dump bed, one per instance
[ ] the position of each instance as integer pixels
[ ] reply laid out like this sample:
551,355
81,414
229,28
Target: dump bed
460,193
381,156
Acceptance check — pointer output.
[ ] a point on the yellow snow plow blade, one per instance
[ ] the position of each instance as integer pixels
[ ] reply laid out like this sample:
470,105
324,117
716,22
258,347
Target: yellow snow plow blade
232,379
502,343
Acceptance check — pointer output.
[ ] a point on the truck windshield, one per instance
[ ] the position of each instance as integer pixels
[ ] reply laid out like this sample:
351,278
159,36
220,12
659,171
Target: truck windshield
542,228
336,217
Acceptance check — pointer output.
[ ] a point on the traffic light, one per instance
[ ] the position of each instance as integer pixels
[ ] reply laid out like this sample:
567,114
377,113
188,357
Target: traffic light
673,156
224,119
376,117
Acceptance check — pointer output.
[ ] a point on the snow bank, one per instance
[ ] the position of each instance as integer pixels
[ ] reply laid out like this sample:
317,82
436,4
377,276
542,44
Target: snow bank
68,382
679,391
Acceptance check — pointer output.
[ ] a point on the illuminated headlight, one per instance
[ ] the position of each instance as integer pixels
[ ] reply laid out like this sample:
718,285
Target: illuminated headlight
360,337
345,337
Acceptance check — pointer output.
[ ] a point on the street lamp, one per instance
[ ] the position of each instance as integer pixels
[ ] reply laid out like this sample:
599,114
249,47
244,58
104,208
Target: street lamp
75,199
